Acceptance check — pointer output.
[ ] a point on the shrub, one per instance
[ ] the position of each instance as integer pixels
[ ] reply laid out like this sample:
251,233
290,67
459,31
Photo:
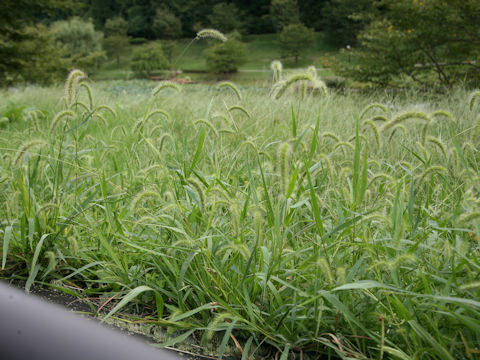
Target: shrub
226,57
148,59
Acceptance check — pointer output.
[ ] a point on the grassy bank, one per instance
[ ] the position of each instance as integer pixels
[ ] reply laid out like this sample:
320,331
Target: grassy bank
336,225
261,51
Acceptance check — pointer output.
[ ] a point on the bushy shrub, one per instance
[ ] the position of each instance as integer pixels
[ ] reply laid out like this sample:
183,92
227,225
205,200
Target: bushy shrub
226,57
148,59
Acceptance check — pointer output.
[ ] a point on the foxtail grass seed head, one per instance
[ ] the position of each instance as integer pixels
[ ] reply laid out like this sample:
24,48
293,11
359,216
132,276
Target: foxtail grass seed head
376,133
89,93
281,87
51,261
157,112
327,272
211,34
284,158
71,83
467,218
403,117
108,109
167,84
438,143
198,186
372,106
25,148
312,70
474,97
320,86
207,124
277,68
141,197
161,140
438,169
59,117
231,86
239,108
445,114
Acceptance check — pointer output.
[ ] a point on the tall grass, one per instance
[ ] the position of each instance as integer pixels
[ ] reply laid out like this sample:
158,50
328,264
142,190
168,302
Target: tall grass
295,226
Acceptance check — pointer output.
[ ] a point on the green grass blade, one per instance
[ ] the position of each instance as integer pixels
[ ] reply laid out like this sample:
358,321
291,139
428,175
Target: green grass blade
225,339
127,298
6,242
33,266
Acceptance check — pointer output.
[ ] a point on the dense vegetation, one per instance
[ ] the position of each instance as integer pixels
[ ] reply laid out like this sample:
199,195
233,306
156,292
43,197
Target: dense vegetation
313,224
274,220
389,42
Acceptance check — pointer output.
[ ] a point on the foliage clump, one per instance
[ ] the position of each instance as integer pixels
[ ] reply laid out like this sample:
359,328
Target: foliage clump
427,42
149,59
225,57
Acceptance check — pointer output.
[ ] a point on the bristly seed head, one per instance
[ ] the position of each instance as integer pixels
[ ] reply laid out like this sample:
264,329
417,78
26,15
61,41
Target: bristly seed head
211,33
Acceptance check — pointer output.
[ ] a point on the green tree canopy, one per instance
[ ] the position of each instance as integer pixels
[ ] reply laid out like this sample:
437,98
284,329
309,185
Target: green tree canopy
166,25
295,39
116,26
226,17
429,41
82,44
342,20
16,58
283,13
116,40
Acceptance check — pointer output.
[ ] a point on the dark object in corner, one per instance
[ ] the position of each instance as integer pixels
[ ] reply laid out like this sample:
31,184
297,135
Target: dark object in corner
33,329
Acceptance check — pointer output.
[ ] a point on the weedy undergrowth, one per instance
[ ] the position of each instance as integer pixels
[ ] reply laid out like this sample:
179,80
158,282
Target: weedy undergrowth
331,226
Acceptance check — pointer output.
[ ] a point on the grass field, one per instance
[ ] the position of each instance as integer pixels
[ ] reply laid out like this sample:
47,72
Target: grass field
336,225
261,51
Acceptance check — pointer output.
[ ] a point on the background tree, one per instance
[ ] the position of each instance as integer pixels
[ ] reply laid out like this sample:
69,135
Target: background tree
310,13
44,61
82,44
255,16
225,57
295,39
139,16
430,42
149,59
116,39
166,25
283,13
15,17
226,17
342,20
